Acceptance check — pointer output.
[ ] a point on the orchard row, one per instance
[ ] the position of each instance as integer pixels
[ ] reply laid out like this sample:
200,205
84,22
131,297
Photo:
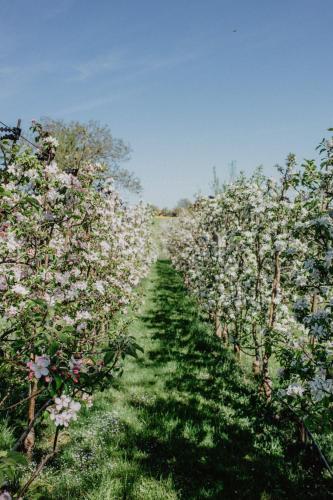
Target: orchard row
71,257
259,258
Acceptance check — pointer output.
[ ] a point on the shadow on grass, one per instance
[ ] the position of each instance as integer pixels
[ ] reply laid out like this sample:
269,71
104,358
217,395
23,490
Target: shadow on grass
206,429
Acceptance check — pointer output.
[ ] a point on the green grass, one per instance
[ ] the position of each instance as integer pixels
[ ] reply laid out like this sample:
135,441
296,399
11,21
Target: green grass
181,423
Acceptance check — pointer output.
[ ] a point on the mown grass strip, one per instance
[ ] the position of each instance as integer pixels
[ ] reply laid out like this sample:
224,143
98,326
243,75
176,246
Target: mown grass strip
181,423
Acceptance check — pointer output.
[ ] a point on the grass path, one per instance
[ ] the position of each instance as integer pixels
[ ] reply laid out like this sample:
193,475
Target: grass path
180,424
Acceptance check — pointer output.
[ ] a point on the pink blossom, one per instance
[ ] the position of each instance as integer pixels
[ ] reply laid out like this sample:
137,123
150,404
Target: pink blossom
39,367
20,290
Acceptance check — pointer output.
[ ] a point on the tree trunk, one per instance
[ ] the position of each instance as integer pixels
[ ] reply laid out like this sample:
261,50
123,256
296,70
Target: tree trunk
302,432
314,305
221,331
266,380
29,441
225,334
256,362
218,326
237,351
256,367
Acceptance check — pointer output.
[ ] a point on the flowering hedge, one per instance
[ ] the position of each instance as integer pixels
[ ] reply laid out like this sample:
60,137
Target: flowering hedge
259,258
71,255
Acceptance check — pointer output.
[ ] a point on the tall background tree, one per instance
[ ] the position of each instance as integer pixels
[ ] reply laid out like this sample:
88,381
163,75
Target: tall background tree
93,142
184,203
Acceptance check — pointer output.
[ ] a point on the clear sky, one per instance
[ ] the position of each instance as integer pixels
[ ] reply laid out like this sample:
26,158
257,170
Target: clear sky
175,80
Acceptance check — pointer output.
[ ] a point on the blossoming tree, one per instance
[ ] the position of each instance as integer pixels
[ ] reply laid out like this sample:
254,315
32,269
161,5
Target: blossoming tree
258,256
71,255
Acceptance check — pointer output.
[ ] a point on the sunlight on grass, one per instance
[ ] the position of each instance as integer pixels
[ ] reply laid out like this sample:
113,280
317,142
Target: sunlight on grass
181,423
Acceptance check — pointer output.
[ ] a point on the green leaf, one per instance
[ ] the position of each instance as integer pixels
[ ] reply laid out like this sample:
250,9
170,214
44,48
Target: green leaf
4,192
109,355
32,201
54,346
19,458
58,381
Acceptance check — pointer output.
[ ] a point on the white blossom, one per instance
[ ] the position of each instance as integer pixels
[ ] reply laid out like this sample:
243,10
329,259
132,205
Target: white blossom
295,390
20,290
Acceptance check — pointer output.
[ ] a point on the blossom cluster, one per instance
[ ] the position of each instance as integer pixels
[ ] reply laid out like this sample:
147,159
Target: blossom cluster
64,410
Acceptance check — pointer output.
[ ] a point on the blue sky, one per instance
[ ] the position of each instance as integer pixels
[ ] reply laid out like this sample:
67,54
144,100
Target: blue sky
174,80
